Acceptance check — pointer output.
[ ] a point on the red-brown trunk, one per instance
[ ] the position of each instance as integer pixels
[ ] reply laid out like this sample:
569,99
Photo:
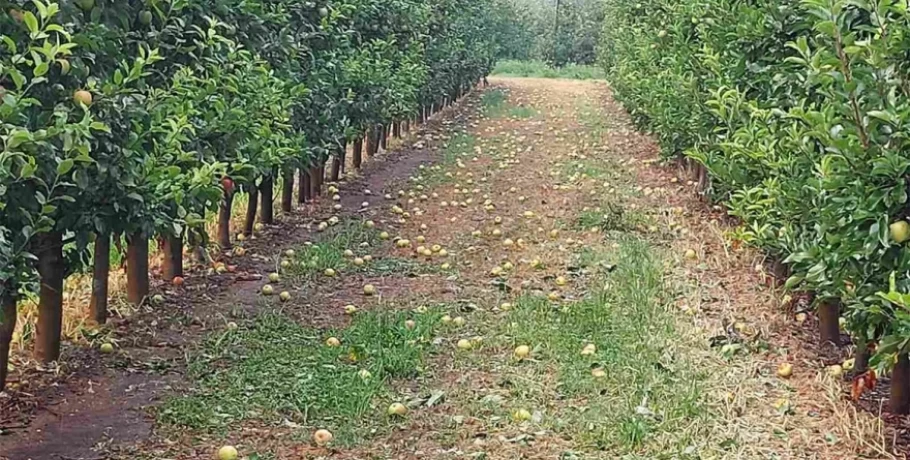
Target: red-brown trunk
899,403
406,127
829,322
7,326
266,195
383,136
320,178
357,158
224,221
137,267
101,270
287,191
172,253
51,267
396,130
251,208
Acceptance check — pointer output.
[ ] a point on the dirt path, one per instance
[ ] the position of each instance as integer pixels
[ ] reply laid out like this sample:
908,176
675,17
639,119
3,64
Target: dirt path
534,300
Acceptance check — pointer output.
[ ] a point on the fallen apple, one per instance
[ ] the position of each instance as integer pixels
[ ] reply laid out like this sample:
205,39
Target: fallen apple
332,342
107,347
598,372
322,437
268,289
410,324
284,296
397,410
274,277
227,453
785,370
522,351
458,321
364,374
464,344
589,349
691,254
369,289
330,272
446,319
521,415
358,261
561,281
350,309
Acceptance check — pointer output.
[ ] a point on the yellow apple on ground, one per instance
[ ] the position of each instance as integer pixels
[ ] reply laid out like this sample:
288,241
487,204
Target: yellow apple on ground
522,351
227,453
785,370
322,437
397,410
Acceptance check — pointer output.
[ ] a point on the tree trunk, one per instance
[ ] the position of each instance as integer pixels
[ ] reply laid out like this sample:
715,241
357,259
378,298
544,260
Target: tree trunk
101,263
357,158
306,182
266,195
224,221
320,177
377,141
336,167
51,268
396,130
861,357
303,186
251,209
172,251
196,241
314,182
383,136
137,267
828,322
899,402
420,115
287,191
371,139
406,128
7,326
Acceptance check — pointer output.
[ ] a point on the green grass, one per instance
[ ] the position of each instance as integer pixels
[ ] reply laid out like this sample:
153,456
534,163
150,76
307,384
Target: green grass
649,391
538,69
460,146
495,105
310,261
274,369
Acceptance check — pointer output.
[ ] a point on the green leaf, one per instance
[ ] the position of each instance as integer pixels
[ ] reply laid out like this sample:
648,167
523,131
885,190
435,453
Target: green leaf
31,22
65,166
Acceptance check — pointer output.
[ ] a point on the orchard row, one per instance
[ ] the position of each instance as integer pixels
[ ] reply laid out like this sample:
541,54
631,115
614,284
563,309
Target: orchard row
797,114
136,120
